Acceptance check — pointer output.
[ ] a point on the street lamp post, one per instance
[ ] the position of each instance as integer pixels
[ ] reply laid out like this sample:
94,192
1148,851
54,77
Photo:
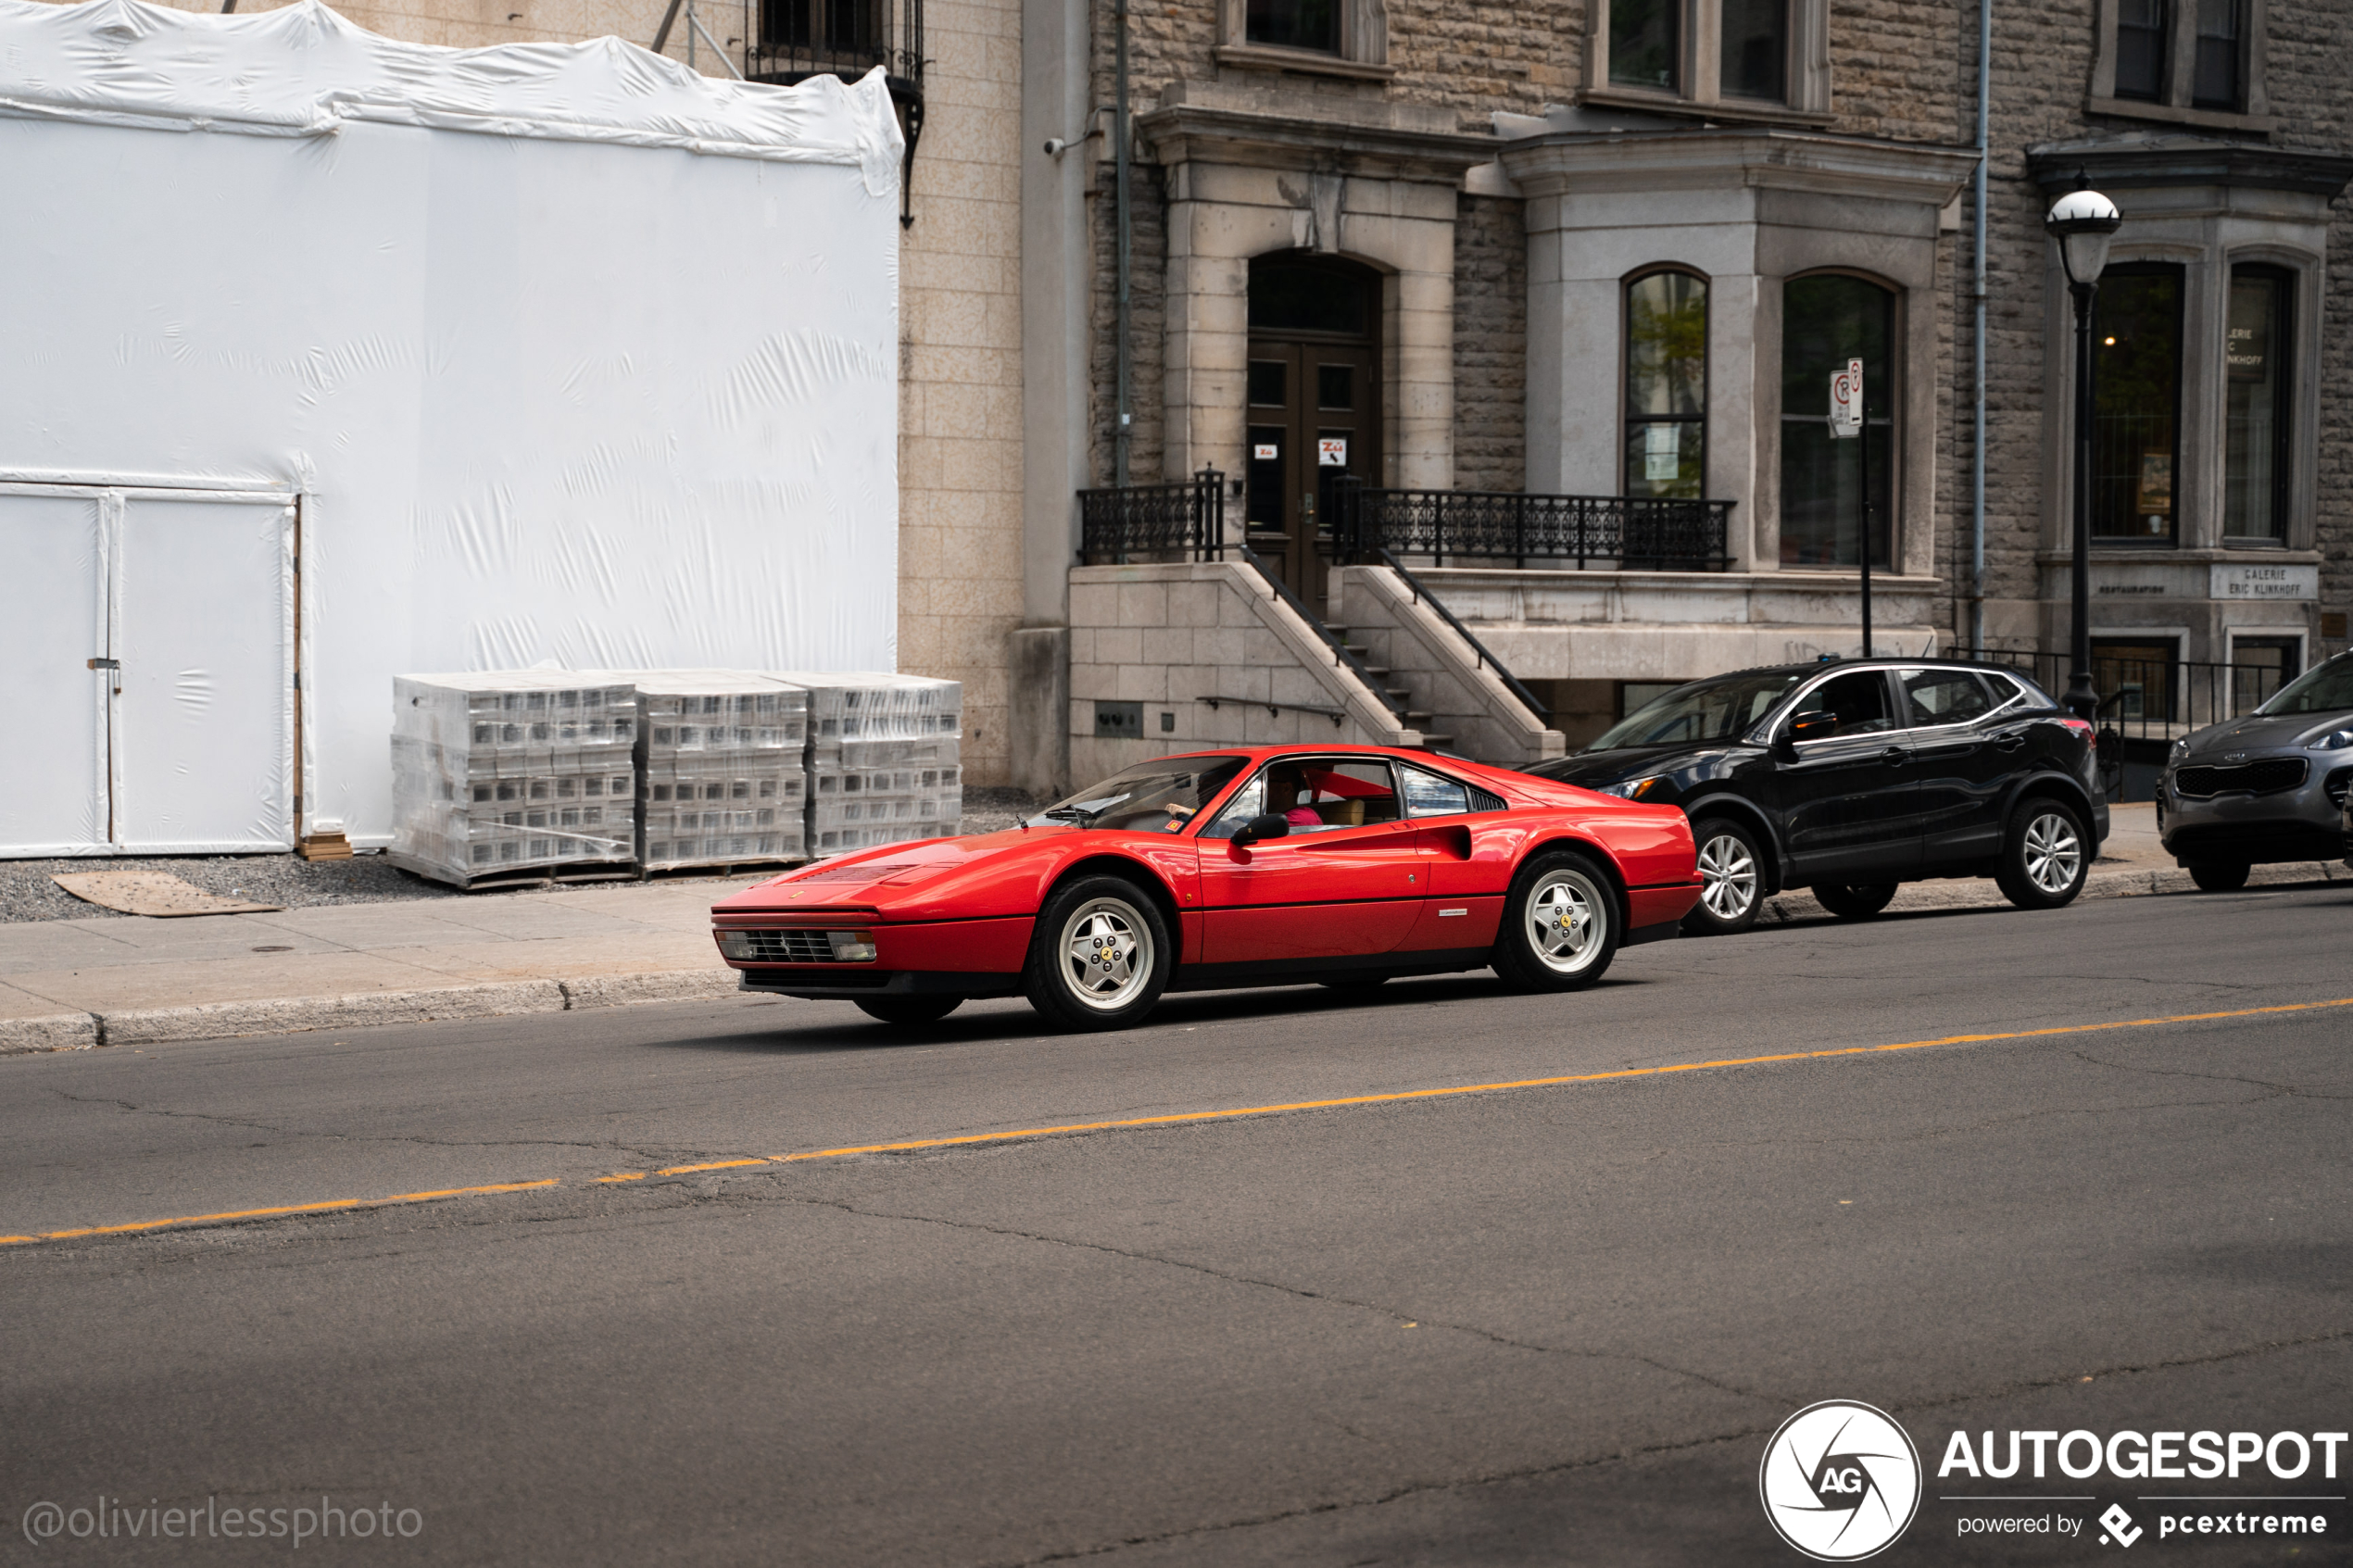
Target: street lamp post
2083,222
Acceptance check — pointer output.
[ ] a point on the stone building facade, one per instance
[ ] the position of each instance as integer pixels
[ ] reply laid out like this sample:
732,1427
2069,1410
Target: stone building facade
1502,180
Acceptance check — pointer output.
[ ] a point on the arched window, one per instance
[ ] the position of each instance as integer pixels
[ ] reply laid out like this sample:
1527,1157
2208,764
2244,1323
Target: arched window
1667,384
1825,321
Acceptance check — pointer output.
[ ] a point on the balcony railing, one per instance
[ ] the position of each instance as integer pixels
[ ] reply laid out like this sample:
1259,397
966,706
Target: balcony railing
1154,522
793,40
1624,532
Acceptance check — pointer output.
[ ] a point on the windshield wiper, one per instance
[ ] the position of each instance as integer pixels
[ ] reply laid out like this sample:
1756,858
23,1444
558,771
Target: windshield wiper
1079,814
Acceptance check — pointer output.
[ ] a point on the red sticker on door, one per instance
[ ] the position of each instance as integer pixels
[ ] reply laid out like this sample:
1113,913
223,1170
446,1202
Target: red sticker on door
1265,452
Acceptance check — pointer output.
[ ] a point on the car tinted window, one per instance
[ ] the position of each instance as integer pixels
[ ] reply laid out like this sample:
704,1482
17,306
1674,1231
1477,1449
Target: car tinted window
2324,689
1859,701
1705,710
1154,798
1945,696
1314,794
1426,794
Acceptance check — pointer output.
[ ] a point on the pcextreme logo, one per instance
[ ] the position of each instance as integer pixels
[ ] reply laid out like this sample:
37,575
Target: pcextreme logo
1841,1481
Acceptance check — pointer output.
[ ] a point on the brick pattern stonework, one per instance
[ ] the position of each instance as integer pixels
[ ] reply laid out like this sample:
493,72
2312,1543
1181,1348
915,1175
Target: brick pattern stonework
1490,345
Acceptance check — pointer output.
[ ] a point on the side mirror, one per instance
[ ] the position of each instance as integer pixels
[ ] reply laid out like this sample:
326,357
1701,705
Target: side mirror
1273,825
1815,723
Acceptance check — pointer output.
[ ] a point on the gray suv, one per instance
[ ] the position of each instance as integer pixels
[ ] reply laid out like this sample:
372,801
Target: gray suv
2268,787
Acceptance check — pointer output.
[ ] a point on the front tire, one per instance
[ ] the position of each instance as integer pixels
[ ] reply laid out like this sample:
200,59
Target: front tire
1853,901
908,1010
1731,879
1560,925
1099,956
2047,856
2219,876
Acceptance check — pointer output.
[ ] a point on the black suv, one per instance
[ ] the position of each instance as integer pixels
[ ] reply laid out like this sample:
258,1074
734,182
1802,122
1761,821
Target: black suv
1851,776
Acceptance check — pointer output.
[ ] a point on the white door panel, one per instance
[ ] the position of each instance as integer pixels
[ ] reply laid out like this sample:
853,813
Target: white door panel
203,724
53,791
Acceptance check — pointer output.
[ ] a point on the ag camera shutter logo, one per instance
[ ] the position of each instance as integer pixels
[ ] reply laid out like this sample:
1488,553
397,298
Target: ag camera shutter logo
1839,1481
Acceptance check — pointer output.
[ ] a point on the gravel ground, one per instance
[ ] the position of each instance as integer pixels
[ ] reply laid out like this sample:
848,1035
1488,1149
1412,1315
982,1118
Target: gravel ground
27,893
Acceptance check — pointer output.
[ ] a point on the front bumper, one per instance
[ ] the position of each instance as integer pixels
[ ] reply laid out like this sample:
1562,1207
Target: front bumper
2302,823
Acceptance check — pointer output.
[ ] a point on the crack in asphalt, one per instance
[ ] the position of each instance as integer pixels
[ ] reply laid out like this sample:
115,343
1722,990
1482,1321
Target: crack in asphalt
2273,1090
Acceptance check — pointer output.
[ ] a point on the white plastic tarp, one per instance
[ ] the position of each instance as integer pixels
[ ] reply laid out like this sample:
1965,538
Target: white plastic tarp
561,353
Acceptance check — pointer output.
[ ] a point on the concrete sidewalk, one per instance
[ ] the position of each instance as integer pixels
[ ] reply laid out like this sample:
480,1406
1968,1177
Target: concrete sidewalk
72,984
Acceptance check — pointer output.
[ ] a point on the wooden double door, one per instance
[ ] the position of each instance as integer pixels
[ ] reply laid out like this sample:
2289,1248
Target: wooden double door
1314,416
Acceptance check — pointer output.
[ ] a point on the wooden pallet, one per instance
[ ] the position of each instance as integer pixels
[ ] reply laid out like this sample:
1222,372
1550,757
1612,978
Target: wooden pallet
520,876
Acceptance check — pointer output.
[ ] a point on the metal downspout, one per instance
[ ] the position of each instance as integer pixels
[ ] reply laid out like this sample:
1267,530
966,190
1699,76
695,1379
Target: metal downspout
1125,418
1977,336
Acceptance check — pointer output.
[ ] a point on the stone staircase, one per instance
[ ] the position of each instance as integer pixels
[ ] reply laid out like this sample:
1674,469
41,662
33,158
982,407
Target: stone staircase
1400,697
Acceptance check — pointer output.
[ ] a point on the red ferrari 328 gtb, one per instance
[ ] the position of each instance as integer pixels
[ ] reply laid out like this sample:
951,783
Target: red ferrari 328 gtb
1246,866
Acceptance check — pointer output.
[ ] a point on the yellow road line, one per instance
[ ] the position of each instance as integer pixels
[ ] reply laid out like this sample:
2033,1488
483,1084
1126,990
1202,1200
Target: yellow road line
328,1206
907,1145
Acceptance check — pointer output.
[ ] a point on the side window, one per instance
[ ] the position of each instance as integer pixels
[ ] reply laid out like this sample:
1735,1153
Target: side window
1319,797
1859,701
1945,696
1426,794
1248,802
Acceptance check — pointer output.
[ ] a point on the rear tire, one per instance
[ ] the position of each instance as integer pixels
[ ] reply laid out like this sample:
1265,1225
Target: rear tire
1731,875
908,1010
1853,901
2046,855
1560,925
2219,876
1099,956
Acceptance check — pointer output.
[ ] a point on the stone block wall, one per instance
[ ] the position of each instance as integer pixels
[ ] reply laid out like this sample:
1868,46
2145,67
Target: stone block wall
1491,345
1172,637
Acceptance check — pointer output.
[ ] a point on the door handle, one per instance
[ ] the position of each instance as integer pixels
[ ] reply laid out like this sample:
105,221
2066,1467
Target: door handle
1894,754
2009,743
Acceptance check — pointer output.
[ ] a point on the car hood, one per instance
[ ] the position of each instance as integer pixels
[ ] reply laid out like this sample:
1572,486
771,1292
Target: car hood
869,877
1593,769
2279,731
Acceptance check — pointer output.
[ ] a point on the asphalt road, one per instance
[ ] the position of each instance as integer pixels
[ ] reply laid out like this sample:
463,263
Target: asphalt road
1553,1323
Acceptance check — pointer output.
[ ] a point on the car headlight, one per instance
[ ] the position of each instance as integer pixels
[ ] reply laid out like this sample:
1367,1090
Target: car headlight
2181,751
737,945
1636,789
852,946
2335,740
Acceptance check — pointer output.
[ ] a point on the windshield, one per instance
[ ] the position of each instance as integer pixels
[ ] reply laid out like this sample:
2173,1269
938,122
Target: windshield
2324,689
1154,798
1723,709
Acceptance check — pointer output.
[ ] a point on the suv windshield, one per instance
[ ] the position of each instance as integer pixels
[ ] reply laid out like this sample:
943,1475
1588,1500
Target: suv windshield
2322,690
1153,798
1723,709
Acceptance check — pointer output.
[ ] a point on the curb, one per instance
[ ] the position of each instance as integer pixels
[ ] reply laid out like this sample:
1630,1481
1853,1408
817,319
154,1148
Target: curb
293,1015
1981,893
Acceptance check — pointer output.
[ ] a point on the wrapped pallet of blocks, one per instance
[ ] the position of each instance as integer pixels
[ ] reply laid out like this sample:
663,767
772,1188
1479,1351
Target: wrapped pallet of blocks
501,773
722,768
885,759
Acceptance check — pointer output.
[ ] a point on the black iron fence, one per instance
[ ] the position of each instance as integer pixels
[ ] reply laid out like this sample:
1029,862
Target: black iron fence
2149,699
1625,533
788,42
1154,522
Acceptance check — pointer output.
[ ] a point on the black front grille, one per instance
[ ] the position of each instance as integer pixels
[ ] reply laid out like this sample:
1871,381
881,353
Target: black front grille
2267,777
2337,785
788,947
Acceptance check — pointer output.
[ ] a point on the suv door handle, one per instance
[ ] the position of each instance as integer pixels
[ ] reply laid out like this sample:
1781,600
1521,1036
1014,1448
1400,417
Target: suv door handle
1894,754
2009,743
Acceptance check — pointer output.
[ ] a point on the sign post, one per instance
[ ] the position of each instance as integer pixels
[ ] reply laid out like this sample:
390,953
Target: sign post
1847,423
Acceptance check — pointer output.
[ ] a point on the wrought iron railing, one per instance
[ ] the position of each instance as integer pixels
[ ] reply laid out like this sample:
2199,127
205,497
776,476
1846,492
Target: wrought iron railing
1154,522
790,41
1340,652
1627,532
1480,650
2149,698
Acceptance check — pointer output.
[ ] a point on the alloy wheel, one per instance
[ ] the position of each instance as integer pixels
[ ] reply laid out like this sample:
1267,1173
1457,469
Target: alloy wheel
1728,877
1567,919
1107,954
2054,854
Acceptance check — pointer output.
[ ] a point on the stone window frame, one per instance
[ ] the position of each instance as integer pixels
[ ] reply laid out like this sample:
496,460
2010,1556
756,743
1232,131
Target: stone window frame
1364,44
1806,79
2254,115
2200,436
1625,357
